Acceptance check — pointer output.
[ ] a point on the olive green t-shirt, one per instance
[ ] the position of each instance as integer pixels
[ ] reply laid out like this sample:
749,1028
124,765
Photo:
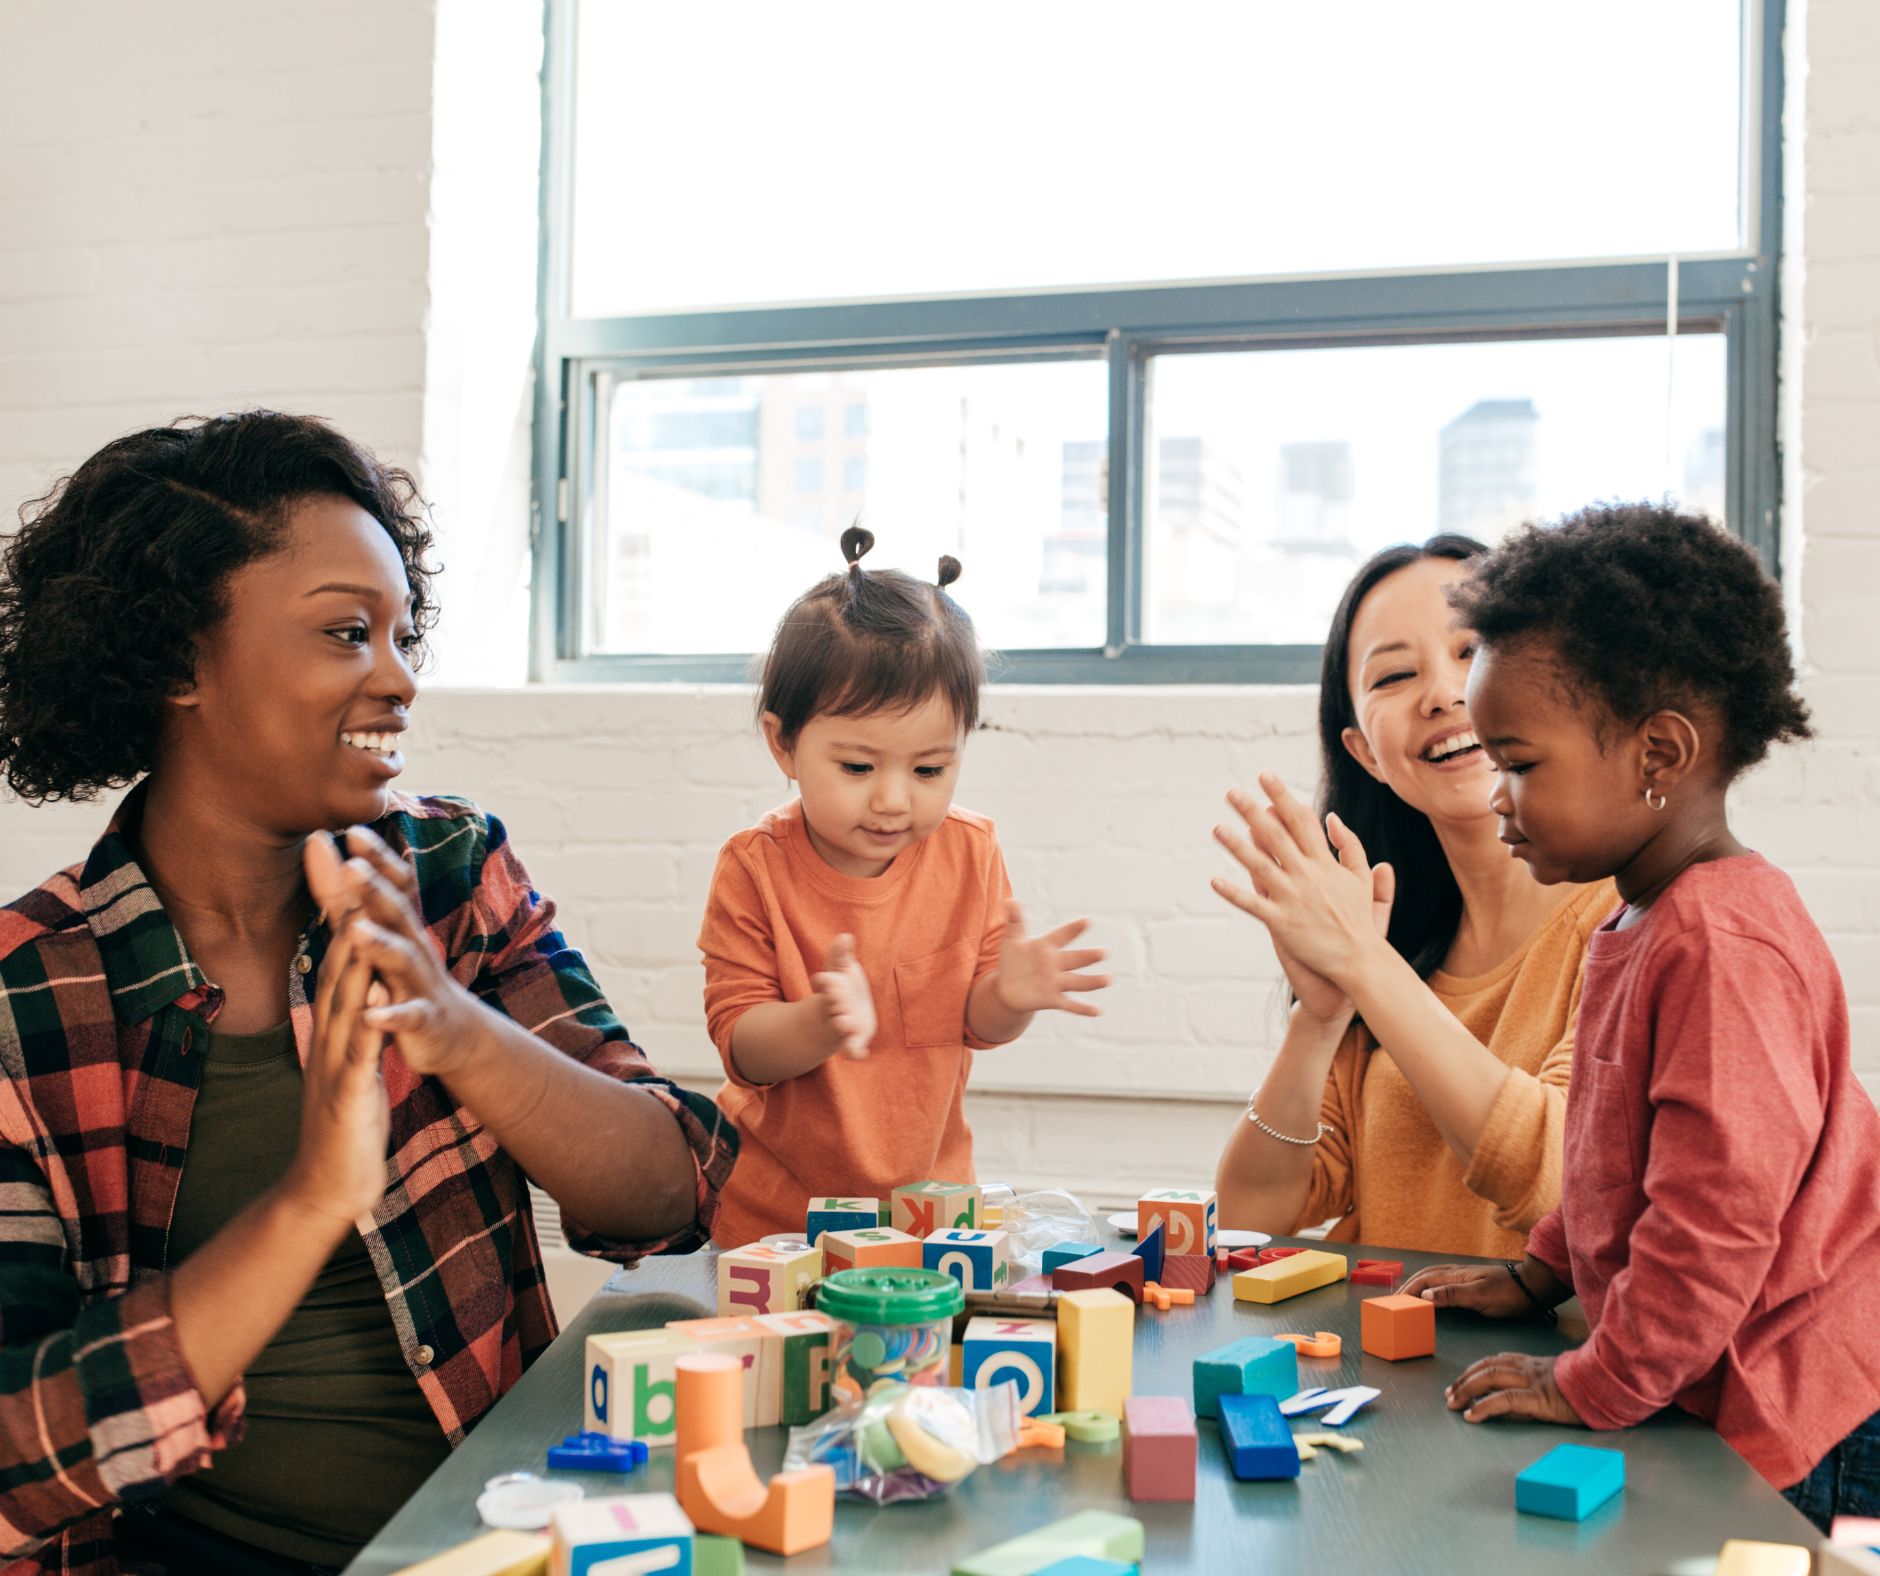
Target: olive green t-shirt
338,1433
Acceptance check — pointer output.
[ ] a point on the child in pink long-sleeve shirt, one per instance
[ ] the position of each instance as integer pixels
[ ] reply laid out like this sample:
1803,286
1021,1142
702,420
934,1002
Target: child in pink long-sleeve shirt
1720,1209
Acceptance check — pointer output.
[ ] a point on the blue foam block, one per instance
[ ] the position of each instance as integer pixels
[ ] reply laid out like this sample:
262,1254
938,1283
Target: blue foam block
1087,1565
1570,1482
1252,1365
1150,1250
1256,1438
1068,1253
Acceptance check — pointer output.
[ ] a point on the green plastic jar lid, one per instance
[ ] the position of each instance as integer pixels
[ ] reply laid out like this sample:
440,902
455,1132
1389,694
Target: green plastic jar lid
890,1294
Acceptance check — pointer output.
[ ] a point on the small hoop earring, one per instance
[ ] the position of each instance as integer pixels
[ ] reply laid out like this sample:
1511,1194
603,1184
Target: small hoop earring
1654,802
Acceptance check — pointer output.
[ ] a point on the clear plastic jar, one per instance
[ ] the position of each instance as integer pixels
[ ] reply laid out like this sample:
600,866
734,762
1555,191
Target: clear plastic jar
890,1323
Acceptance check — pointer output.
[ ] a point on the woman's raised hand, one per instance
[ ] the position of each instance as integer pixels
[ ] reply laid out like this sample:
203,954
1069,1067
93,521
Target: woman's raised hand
1322,911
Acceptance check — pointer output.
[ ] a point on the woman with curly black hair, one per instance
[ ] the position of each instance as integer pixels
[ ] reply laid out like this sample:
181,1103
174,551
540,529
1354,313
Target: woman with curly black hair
271,1103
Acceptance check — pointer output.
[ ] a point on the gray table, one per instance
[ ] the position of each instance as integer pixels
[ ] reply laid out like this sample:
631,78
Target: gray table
1429,1493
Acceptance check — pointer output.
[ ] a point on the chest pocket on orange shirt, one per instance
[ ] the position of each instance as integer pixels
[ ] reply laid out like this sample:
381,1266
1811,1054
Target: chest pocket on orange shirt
1606,1149
933,993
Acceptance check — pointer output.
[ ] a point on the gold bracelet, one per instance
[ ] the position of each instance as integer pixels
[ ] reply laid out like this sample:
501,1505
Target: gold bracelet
1253,1116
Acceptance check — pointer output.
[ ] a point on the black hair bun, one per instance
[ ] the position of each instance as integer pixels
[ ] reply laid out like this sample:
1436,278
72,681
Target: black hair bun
855,542
949,570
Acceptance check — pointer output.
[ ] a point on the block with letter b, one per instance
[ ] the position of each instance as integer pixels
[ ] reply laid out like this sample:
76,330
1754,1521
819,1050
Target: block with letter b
1021,1350
868,1248
841,1214
978,1260
629,1391
765,1279
922,1208
1188,1214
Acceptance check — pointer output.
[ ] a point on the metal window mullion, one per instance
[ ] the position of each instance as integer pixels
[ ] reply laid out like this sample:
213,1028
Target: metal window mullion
551,634
1124,459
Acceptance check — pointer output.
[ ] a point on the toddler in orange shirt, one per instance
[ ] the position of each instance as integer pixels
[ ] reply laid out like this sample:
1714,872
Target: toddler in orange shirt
861,942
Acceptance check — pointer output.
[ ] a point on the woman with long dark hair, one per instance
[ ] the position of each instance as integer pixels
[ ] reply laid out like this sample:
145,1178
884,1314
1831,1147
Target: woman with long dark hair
1435,1121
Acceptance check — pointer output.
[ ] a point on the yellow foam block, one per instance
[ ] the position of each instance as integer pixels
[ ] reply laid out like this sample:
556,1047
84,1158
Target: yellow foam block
1741,1558
493,1554
1288,1277
1096,1344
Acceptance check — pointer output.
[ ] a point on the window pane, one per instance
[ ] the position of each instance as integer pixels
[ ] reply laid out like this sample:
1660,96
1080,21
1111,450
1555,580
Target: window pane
1275,473
740,154
718,500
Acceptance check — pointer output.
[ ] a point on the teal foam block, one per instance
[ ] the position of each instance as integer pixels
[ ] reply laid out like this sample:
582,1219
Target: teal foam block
1088,1565
1068,1253
1095,1534
1570,1482
1258,1443
1252,1365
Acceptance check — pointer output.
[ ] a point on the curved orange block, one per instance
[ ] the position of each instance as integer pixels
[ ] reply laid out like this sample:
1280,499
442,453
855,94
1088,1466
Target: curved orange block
1321,1343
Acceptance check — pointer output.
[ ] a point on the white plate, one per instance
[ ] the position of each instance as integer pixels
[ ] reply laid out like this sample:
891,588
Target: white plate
1124,1220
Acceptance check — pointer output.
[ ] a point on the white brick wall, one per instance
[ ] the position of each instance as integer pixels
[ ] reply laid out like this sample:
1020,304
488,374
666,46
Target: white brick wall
245,216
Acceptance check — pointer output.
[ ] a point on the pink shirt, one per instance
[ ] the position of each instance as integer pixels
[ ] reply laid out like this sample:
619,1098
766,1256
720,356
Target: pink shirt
1720,1212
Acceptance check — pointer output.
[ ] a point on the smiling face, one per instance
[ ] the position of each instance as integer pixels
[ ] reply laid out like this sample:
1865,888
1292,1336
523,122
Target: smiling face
302,689
875,785
1408,666
1569,800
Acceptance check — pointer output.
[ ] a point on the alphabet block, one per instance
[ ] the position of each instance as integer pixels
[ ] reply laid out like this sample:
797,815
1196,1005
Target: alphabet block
1021,1350
1121,1272
1253,1365
841,1214
1188,1213
754,1346
922,1208
1570,1482
1740,1557
493,1554
799,1360
1288,1277
629,1392
590,1533
1159,1447
1397,1327
1258,1443
715,1556
1839,1558
763,1279
978,1260
1097,1533
1068,1253
1190,1271
1096,1344
854,1250
720,1489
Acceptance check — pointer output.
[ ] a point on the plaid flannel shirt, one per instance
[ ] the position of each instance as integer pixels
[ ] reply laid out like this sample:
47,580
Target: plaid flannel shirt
102,1015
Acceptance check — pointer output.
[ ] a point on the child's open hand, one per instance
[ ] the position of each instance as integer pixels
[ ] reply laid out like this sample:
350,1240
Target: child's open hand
1036,972
842,988
1511,1384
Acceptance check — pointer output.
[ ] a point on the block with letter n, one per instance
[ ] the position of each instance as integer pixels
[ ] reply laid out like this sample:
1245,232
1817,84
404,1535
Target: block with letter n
978,1260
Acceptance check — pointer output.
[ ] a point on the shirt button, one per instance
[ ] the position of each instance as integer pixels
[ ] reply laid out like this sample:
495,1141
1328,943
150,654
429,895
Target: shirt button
425,1355
303,964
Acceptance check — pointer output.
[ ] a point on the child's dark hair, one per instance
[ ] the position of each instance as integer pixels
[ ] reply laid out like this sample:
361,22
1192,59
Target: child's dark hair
114,574
1645,608
1428,910
861,642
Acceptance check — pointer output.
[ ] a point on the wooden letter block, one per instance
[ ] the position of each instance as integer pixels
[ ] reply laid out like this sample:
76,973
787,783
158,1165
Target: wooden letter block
1189,1271
754,1346
1096,1347
1252,1365
1021,1350
1121,1272
922,1208
493,1554
720,1489
1259,1445
1740,1557
1397,1327
761,1279
1068,1253
978,1260
629,1390
799,1361
873,1245
1570,1482
1159,1447
1288,1277
1188,1214
1837,1558
591,1534
841,1214
1098,1534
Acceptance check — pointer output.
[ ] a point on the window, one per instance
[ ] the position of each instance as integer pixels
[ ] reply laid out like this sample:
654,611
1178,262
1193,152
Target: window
1159,380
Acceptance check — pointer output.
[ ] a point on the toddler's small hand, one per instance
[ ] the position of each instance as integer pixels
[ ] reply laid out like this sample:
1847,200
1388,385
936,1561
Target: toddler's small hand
1036,972
843,989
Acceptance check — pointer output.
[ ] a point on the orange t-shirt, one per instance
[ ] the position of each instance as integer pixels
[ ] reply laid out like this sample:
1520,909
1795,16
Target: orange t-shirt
926,929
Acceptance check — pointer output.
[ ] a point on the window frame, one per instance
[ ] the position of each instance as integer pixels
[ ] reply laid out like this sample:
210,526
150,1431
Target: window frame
1735,294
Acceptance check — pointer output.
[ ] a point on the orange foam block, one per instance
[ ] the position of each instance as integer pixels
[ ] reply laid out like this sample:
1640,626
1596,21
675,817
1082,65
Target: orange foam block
717,1485
1397,1327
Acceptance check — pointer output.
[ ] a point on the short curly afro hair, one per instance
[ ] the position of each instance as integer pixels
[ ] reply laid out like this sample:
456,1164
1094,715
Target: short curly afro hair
115,573
1645,608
